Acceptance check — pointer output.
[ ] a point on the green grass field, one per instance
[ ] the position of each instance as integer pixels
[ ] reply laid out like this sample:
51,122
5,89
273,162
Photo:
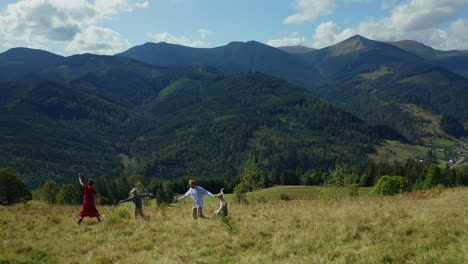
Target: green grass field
421,227
444,142
391,151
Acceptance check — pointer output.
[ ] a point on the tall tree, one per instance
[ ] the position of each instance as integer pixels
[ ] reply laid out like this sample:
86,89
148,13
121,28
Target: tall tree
250,180
433,177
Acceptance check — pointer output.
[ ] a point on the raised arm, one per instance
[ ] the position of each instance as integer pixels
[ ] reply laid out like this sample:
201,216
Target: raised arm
80,179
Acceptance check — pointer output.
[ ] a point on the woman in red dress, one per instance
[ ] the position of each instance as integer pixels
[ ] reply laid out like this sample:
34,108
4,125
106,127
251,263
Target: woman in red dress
89,207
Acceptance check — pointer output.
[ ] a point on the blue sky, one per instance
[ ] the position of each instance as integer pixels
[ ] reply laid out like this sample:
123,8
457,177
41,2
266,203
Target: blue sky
110,26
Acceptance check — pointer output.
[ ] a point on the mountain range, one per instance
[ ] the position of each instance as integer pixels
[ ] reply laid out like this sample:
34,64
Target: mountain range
371,79
168,111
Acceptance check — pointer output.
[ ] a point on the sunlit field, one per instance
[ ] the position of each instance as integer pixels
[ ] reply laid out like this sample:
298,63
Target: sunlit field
421,227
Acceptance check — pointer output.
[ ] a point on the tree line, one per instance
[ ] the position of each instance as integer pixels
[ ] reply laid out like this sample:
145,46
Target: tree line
417,175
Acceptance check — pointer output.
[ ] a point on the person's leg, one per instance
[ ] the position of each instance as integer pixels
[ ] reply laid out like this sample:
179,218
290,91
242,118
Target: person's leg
140,212
195,212
99,218
135,213
200,212
81,219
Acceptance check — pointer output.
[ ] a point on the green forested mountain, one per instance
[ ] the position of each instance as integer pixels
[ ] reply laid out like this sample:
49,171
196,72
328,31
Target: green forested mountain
109,115
375,80
454,60
372,79
235,57
17,63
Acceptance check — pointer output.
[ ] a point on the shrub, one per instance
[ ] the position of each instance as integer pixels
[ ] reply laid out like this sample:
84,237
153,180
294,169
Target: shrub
390,185
285,197
49,192
12,188
68,195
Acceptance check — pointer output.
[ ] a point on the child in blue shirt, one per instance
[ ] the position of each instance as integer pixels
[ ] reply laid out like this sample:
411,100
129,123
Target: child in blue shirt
136,199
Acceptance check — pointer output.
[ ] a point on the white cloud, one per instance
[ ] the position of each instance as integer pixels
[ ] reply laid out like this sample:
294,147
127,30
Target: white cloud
328,33
204,33
112,7
182,40
47,23
417,20
423,14
309,10
293,39
142,4
98,40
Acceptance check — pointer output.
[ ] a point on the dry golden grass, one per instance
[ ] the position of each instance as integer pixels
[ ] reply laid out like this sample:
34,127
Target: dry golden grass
414,228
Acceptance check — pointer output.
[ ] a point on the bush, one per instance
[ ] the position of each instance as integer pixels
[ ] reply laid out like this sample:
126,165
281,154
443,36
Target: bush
390,185
285,197
12,188
68,195
49,192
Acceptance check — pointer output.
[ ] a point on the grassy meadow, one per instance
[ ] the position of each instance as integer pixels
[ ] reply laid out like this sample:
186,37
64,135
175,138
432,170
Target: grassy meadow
317,226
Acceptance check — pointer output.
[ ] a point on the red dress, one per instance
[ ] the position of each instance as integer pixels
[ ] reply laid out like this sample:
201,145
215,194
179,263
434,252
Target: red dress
89,207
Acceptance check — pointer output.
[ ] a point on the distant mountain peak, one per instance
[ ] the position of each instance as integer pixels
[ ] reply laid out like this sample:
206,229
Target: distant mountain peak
250,43
25,52
352,44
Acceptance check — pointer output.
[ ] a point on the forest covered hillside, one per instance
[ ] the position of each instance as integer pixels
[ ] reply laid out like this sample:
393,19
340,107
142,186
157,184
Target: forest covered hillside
109,115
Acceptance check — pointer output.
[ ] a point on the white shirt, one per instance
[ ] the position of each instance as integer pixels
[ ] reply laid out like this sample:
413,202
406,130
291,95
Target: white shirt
197,195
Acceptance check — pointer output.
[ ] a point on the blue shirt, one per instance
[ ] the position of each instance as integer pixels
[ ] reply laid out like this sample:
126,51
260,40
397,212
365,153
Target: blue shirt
136,200
197,195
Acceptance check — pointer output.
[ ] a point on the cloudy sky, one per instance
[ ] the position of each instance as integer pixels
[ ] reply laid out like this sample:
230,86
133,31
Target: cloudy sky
110,26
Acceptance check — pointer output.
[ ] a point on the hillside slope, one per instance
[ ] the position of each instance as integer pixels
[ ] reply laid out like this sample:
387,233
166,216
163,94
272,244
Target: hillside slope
373,80
18,63
454,60
235,57
107,115
369,78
